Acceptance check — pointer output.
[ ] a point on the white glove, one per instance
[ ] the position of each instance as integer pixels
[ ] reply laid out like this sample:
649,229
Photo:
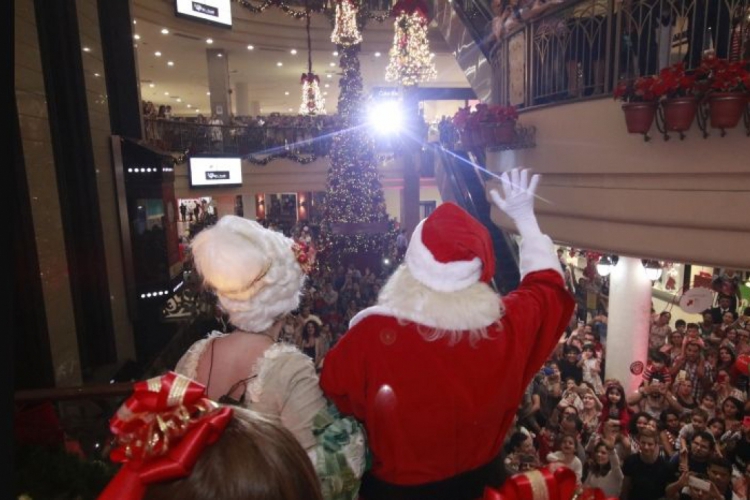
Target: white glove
519,200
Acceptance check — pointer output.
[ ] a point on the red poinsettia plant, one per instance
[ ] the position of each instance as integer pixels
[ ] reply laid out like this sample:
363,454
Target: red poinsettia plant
641,89
673,82
501,114
720,75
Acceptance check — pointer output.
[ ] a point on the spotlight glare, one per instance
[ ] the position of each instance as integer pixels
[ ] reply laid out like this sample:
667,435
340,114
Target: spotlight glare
385,117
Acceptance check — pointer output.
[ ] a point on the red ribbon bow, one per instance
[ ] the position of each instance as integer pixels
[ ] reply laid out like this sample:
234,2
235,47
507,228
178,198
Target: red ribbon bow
541,484
161,431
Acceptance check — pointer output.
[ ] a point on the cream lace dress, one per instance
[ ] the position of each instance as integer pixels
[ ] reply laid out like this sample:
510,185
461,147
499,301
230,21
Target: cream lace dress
285,385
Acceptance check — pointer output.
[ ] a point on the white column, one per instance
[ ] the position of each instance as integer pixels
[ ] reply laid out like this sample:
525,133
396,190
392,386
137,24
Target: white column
241,99
628,323
248,206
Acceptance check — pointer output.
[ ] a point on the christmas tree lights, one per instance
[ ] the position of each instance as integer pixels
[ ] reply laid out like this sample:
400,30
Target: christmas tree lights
312,98
345,31
410,59
355,222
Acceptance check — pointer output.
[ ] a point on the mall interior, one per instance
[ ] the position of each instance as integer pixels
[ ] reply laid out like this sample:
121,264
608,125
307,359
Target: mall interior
124,108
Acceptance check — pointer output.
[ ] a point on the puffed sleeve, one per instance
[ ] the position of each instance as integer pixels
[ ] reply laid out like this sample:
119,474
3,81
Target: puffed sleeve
344,371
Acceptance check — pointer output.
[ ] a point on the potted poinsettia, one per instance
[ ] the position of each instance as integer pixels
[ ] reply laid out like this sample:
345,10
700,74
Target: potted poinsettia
726,85
460,119
499,125
680,96
640,102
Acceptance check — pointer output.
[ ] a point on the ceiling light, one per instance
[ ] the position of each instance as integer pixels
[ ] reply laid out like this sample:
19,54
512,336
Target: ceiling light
325,93
605,265
164,31
286,93
86,49
432,54
208,93
336,53
137,36
134,21
293,52
189,105
329,76
377,54
157,53
333,65
151,85
219,55
653,269
290,110
197,110
209,41
166,93
170,63
96,74
250,47
326,85
279,64
179,100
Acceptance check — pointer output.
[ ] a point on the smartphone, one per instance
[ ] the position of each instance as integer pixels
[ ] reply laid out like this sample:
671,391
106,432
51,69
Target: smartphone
698,483
682,375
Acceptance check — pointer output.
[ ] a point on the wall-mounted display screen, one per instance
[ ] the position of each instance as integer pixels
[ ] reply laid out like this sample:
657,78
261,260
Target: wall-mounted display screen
217,12
215,171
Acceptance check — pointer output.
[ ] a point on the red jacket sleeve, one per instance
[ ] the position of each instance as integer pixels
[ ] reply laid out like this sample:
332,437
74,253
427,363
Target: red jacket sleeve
343,376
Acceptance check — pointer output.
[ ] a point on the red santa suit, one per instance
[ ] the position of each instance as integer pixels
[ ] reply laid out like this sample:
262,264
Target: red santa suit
437,369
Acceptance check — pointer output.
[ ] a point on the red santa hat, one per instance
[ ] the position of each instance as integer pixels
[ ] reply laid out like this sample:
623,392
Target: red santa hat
450,250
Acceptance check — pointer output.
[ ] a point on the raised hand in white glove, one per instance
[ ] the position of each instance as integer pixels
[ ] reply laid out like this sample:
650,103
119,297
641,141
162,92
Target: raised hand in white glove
518,202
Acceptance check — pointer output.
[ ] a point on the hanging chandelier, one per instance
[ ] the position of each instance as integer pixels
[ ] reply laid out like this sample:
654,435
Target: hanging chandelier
345,31
411,62
312,98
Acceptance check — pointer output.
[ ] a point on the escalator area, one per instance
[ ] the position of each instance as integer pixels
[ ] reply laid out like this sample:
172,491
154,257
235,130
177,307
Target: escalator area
461,180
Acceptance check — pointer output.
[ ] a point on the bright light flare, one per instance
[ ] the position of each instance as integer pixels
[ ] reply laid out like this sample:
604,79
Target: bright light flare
386,117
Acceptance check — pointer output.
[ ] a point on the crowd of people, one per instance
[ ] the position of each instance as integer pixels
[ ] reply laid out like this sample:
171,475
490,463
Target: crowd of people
311,350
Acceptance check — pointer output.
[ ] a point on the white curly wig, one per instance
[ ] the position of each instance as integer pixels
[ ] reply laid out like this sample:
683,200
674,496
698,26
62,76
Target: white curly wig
253,271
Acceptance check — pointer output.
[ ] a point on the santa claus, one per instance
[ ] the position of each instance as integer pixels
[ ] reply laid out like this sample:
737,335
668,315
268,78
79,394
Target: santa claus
436,369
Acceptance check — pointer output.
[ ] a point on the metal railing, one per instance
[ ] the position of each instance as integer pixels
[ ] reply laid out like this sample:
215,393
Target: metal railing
557,51
179,135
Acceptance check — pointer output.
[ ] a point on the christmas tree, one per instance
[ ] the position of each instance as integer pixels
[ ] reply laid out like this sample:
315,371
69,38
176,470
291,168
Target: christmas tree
355,225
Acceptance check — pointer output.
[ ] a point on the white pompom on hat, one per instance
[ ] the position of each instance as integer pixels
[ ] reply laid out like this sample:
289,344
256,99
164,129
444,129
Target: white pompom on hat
253,271
450,250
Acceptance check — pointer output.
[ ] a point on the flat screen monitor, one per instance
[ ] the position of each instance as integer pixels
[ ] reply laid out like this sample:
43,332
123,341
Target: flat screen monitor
215,171
218,12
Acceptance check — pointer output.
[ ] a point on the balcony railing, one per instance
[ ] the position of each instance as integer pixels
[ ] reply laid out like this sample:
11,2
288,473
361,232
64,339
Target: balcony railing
181,135
556,51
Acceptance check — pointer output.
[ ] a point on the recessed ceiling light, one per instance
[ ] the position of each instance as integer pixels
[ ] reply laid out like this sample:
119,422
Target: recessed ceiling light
279,64
290,110
208,93
170,63
86,49
333,65
293,52
326,85
219,55
329,76
336,53
190,105
179,100
432,54
96,74
157,53
325,93
250,47
209,41
166,93
134,21
137,36
151,85
197,110
377,54
164,31
286,93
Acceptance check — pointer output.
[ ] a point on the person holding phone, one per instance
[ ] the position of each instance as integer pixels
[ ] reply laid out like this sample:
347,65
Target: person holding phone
716,484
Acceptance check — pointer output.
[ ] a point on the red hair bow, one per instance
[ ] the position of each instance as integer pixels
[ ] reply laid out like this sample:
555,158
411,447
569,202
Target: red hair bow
161,431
